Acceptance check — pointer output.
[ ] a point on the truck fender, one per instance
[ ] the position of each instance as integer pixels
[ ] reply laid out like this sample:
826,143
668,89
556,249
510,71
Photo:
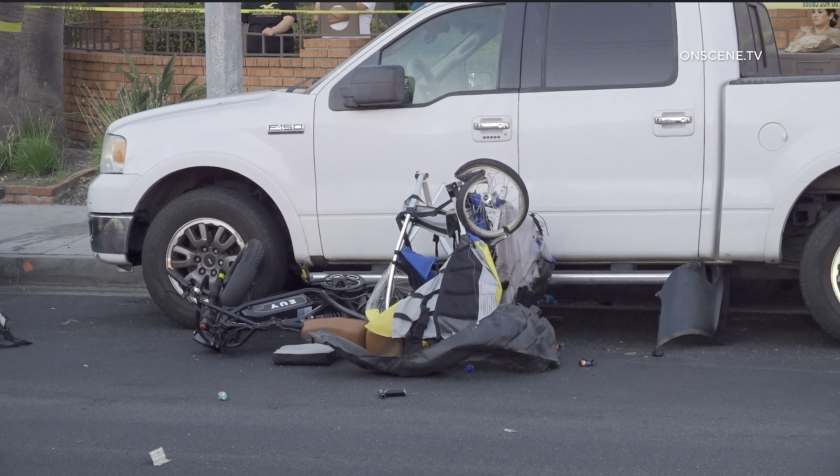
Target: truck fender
234,164
788,198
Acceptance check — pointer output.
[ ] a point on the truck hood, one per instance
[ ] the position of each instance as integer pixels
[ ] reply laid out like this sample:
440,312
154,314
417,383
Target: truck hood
199,107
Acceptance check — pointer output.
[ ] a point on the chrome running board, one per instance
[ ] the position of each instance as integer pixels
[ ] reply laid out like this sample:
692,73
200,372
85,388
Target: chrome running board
560,277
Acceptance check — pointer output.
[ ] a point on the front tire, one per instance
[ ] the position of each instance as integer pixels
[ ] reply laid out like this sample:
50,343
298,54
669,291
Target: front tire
819,270
200,234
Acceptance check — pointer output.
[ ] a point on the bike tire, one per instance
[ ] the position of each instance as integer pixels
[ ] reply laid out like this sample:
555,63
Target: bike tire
461,207
241,275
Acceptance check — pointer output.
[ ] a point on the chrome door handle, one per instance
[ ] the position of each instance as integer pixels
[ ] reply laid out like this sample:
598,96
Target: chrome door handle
485,126
672,120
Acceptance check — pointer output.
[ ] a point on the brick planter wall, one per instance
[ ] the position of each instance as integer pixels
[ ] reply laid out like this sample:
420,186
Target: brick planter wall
48,194
102,71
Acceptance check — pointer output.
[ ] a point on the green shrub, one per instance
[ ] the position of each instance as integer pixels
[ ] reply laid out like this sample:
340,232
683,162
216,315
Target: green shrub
157,40
143,94
31,143
74,16
6,153
35,156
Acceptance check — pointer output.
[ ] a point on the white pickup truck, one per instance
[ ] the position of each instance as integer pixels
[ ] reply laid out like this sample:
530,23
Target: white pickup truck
638,155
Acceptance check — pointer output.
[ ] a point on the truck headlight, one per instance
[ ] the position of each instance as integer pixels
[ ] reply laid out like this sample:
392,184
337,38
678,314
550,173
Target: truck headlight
112,160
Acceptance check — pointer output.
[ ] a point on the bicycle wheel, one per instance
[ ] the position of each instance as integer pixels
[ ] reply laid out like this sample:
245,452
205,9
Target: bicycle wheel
492,201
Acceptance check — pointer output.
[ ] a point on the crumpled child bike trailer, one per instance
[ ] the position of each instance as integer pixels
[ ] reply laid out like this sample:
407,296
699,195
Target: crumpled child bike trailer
464,291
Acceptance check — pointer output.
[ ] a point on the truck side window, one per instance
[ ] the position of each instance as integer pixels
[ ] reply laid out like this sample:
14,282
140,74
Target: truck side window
755,34
634,46
454,52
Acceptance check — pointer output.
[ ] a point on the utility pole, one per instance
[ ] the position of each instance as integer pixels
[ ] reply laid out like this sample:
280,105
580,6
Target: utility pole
223,33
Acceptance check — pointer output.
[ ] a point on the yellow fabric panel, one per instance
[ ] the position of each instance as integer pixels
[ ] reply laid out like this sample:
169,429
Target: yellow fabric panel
488,258
381,322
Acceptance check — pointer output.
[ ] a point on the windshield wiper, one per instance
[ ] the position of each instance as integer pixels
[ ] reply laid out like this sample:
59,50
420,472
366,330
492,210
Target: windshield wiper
298,85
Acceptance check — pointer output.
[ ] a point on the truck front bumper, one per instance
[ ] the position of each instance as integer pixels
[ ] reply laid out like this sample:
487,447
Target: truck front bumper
109,235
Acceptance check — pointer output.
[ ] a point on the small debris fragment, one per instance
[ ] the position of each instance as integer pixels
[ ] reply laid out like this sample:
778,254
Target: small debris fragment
392,393
222,396
629,353
158,457
68,321
507,430
548,299
86,365
586,363
469,369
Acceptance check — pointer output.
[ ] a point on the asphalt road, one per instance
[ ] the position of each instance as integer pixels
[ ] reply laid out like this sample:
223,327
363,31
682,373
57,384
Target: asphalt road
106,382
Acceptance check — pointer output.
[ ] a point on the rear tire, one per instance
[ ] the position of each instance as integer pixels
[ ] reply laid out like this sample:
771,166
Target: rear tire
242,216
242,274
818,273
489,165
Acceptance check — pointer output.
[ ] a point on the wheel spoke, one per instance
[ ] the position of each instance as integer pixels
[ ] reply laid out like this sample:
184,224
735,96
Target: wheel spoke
202,231
181,263
199,240
189,254
223,246
227,261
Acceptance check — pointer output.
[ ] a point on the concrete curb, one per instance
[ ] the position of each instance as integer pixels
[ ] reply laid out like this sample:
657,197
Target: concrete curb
39,270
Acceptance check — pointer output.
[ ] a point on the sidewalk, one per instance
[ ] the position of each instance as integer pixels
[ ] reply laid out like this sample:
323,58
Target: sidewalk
50,245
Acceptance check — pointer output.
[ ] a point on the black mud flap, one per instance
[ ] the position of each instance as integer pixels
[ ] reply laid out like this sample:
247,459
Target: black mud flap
693,299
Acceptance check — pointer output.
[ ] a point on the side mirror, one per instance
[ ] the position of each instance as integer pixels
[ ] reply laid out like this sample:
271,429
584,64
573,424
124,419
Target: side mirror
375,86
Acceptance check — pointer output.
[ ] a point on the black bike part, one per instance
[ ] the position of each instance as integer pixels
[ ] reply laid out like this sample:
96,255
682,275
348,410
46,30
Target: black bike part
182,281
466,177
342,283
241,276
277,307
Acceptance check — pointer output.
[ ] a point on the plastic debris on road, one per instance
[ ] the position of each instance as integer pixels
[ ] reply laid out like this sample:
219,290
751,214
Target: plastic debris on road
222,396
392,393
507,430
469,369
586,363
158,457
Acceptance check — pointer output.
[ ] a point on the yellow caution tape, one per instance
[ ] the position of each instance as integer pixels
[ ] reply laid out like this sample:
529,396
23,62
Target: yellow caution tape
7,27
769,5
800,5
201,10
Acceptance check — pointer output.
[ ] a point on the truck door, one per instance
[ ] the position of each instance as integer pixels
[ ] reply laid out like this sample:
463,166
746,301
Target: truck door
462,66
611,128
